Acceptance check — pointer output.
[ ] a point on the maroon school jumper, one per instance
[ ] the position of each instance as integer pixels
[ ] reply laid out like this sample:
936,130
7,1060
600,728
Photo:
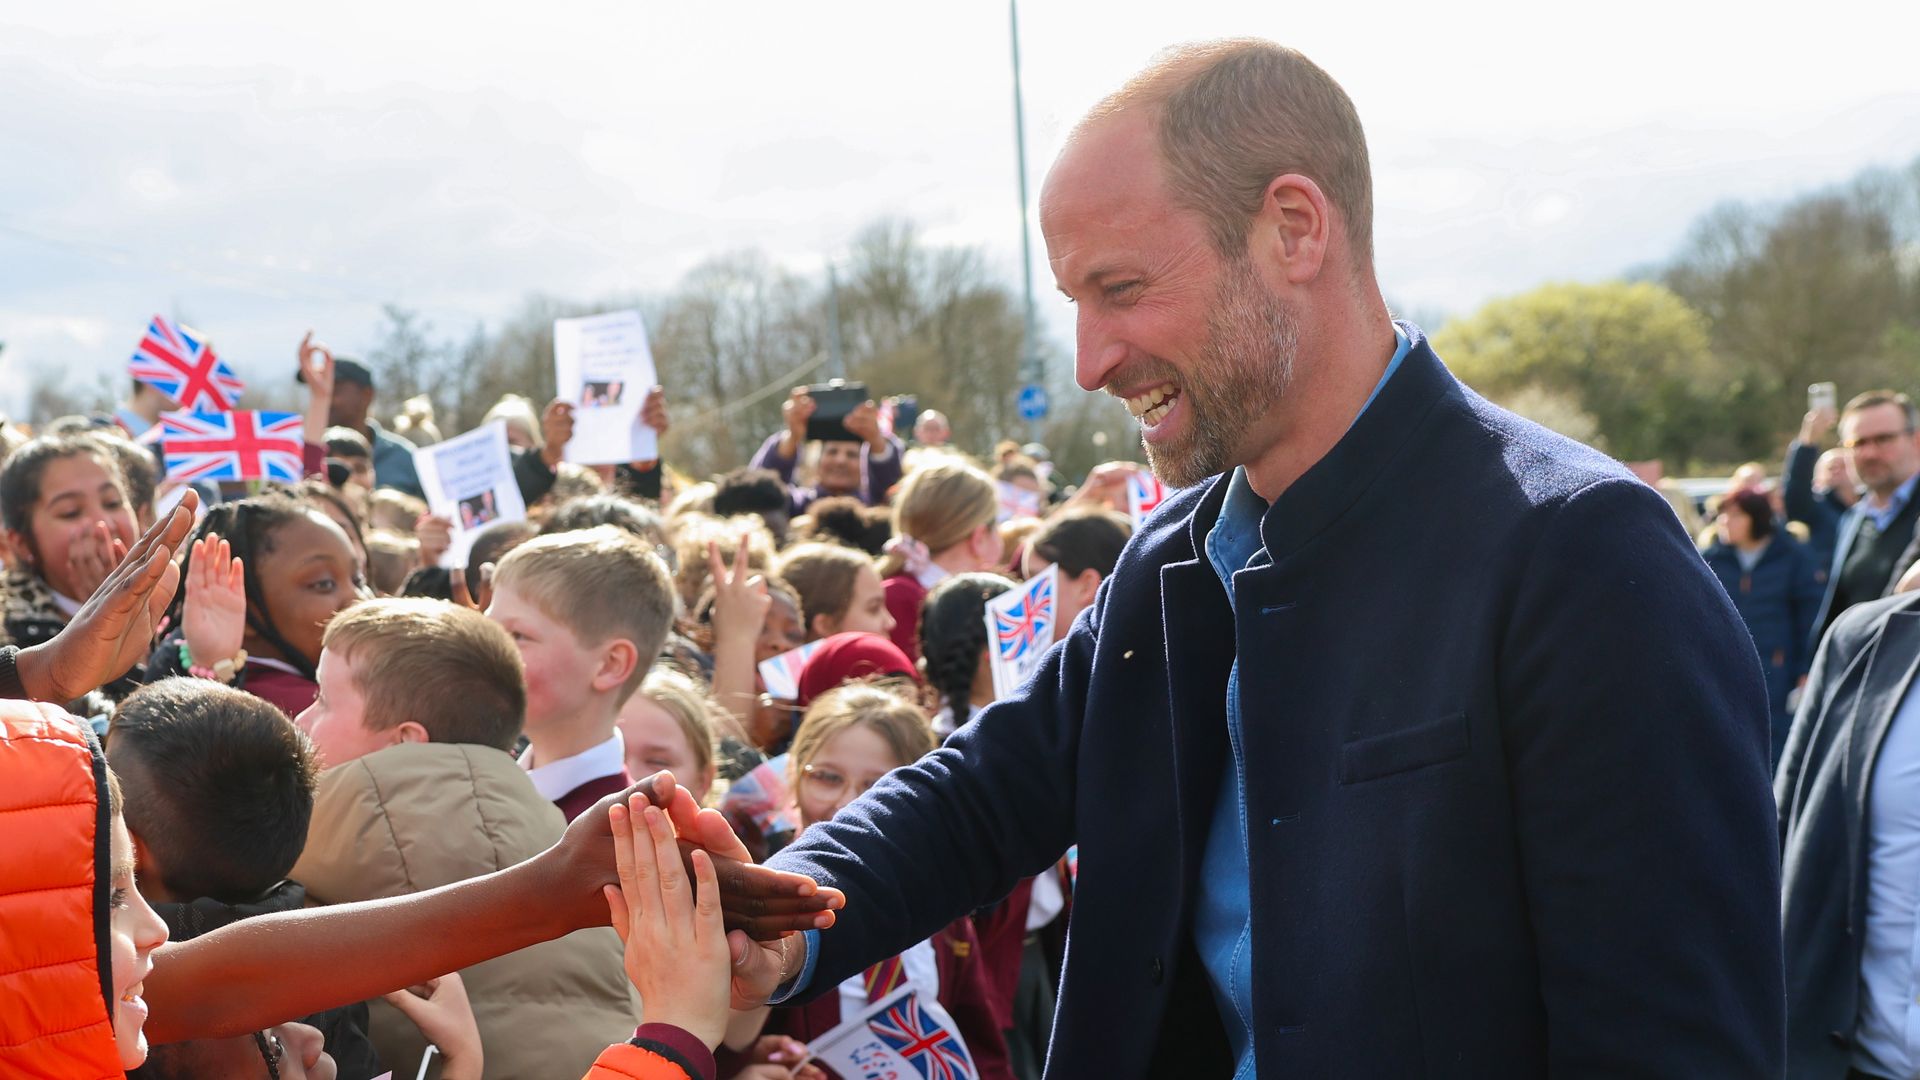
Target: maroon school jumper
581,799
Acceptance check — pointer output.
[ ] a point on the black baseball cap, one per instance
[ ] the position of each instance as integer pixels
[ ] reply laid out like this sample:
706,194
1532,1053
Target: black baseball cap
345,370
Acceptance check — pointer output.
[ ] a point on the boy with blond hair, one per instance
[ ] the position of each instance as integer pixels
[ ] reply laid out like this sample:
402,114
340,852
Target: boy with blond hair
589,611
420,705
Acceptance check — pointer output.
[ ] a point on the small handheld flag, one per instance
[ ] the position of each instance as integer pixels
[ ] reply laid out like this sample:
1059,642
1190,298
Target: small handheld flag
781,674
232,446
1021,627
181,364
1144,494
901,1035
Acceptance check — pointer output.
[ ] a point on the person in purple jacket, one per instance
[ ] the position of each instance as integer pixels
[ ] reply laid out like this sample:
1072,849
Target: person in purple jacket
866,469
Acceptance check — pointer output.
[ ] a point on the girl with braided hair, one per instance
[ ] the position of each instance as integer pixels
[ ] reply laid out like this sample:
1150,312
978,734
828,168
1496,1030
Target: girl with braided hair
953,646
261,581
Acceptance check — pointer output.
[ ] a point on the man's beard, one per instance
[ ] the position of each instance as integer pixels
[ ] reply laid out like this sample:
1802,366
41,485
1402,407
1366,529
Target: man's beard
1241,374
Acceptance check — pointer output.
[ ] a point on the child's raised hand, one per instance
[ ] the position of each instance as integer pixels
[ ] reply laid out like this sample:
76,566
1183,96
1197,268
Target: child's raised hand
445,1016
214,617
740,600
435,534
676,944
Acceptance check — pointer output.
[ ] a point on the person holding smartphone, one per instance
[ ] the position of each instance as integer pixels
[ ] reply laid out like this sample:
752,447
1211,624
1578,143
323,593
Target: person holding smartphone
861,462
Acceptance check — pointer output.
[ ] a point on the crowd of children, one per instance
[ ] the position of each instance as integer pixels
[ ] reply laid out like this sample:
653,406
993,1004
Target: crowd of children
280,710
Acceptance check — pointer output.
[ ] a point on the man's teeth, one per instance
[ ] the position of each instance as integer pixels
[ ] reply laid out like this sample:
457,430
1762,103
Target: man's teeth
1151,407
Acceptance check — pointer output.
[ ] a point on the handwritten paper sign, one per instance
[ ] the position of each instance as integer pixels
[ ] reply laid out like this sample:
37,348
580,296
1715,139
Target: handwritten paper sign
469,480
604,366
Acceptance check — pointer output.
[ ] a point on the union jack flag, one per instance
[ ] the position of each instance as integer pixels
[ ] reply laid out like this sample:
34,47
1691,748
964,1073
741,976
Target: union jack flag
922,1041
1144,493
1027,626
781,674
232,446
182,365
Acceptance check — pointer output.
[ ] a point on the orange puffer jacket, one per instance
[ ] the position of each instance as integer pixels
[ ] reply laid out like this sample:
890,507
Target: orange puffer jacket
55,971
625,1061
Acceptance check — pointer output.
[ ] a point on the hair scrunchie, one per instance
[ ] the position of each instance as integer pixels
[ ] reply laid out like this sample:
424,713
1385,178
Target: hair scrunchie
914,556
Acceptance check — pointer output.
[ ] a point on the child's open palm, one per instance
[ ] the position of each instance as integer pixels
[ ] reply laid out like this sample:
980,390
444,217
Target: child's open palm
676,941
215,616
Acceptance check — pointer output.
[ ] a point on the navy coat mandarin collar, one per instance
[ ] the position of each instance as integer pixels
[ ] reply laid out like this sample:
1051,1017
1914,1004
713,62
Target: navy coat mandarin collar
1338,480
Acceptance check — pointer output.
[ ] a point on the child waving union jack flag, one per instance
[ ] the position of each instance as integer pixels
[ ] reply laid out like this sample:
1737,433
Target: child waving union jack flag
181,364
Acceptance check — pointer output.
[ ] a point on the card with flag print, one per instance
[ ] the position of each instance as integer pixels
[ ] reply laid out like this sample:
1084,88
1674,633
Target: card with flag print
244,445
1144,494
900,1036
781,674
181,364
1021,626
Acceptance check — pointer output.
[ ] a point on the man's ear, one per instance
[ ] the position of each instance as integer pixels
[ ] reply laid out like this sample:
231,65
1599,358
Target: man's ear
617,661
408,731
1293,228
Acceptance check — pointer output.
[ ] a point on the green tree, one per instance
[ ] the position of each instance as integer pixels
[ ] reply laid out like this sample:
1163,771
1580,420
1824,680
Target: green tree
1825,287
1632,357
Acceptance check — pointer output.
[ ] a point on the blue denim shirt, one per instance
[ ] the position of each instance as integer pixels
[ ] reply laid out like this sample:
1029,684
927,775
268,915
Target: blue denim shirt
1222,920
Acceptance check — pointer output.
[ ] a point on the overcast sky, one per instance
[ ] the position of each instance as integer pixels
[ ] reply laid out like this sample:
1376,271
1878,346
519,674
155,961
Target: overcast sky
262,172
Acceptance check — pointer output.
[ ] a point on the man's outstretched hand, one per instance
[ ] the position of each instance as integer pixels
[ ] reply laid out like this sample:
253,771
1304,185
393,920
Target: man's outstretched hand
763,904
114,629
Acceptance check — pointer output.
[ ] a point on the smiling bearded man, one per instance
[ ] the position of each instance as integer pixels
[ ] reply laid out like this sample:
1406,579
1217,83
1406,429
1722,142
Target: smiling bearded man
1409,739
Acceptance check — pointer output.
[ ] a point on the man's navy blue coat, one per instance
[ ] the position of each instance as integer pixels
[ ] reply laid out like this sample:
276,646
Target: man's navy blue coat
1508,803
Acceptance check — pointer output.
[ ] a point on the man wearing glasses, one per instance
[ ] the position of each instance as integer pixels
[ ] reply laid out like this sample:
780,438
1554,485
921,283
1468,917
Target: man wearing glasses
1877,430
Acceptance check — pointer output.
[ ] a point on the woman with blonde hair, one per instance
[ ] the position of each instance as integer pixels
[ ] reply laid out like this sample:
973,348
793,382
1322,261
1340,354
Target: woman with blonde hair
943,524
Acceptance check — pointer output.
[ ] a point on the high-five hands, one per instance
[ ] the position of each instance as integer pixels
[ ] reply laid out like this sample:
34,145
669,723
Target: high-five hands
756,901
676,945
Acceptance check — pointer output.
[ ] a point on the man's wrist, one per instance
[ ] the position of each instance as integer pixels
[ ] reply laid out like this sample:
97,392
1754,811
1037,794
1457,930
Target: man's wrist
797,952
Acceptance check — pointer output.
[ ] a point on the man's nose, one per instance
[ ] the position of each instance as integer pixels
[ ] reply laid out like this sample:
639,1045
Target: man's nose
1097,351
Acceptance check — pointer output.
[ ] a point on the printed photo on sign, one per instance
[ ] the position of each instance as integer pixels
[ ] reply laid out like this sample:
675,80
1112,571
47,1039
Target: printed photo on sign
478,510
1021,626
469,481
604,365
601,395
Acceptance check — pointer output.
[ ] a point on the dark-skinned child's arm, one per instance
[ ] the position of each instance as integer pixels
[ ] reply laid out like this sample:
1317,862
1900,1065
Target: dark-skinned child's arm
259,972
